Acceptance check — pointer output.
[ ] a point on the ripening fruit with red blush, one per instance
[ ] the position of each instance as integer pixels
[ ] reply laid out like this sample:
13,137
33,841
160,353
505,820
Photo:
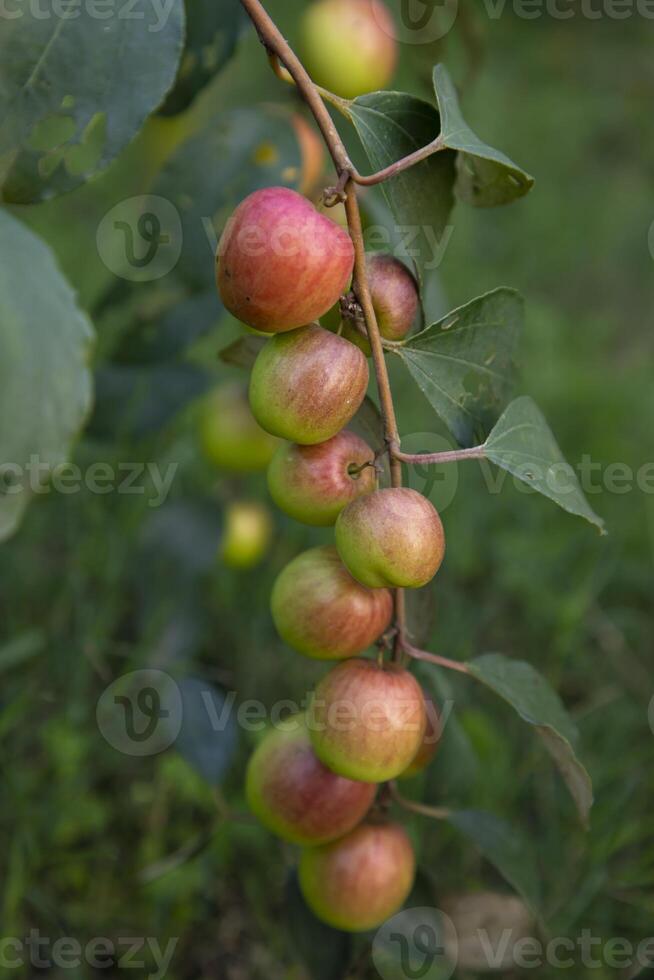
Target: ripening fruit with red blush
281,264
312,484
392,538
358,882
322,612
306,385
367,721
394,295
295,795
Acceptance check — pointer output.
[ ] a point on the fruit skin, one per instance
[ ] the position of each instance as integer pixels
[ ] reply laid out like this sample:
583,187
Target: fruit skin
322,612
391,538
394,295
247,534
349,46
430,742
306,385
230,436
358,882
367,722
312,484
280,264
313,155
295,795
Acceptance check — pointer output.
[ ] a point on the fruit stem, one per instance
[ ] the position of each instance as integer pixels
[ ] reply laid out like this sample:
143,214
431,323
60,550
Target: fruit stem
435,812
453,456
432,658
281,54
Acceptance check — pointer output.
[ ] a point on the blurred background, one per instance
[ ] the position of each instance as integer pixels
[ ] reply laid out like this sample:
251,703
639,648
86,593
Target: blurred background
100,840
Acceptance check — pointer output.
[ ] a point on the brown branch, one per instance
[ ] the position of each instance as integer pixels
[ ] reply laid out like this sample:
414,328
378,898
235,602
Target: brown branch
435,812
428,459
433,658
278,48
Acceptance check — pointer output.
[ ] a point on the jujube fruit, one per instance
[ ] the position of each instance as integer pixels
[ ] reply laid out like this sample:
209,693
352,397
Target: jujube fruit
391,538
295,795
394,295
312,484
367,721
349,45
281,264
247,534
306,385
358,882
230,436
322,612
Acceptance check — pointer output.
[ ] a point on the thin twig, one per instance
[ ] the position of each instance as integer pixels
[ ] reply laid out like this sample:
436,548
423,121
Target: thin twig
435,812
433,658
429,459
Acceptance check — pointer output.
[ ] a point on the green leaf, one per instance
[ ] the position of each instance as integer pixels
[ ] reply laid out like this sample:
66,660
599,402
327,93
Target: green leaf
212,31
464,364
326,952
522,443
506,849
45,383
391,125
485,176
75,90
208,736
248,149
527,691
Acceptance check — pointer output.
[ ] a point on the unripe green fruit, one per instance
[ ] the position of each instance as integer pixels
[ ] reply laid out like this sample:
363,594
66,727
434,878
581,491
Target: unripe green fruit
391,538
430,742
306,385
358,882
281,264
313,484
295,795
247,534
322,612
367,722
349,46
230,436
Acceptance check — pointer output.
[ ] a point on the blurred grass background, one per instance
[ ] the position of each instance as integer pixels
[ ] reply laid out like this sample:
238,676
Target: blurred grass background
98,843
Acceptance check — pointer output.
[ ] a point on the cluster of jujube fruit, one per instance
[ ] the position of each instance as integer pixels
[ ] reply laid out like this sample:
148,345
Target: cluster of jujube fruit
280,266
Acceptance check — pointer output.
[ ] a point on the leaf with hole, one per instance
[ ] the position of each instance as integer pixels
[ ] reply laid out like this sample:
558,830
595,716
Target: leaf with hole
45,382
485,176
527,691
391,125
523,444
63,116
465,363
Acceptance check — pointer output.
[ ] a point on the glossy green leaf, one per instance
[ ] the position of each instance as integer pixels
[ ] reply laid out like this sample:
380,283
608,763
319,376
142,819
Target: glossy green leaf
75,90
527,691
45,383
523,444
465,363
391,125
485,176
506,849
